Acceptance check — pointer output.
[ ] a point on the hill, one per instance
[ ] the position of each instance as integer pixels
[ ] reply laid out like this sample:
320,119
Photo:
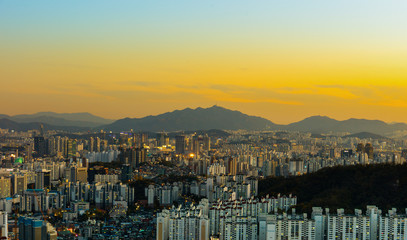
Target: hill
204,119
61,119
349,187
9,124
365,135
189,119
320,124
314,124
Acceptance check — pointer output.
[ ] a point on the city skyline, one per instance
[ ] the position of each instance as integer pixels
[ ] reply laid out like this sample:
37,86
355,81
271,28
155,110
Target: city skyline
281,61
182,119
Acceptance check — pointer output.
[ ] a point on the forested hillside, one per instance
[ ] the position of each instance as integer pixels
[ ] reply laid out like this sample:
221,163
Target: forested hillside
347,187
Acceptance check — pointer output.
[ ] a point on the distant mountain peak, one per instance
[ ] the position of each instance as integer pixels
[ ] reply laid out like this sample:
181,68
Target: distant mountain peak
319,117
217,106
81,119
214,117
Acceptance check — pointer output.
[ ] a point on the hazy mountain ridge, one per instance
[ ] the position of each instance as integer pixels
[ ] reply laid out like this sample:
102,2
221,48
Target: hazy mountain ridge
365,135
188,119
60,119
319,124
6,123
192,119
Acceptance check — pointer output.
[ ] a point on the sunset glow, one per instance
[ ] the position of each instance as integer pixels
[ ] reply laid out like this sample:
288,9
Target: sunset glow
282,60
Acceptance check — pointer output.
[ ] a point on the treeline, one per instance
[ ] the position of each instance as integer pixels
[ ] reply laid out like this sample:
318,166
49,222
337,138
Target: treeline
114,164
348,187
178,178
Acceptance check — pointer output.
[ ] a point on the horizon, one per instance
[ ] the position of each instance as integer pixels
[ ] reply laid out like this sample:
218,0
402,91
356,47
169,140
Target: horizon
117,111
271,120
283,61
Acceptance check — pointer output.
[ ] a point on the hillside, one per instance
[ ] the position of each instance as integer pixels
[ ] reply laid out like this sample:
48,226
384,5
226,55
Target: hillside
347,187
365,135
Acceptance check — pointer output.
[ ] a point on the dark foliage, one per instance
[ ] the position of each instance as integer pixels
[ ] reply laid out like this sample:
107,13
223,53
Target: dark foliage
349,187
115,164
179,178
167,163
139,187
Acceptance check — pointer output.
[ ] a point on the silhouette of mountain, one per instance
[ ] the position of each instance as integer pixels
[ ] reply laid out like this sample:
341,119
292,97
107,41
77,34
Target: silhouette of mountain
12,125
319,124
61,119
314,124
214,117
365,135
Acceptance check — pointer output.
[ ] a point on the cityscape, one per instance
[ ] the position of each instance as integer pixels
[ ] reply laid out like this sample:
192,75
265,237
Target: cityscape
207,184
203,120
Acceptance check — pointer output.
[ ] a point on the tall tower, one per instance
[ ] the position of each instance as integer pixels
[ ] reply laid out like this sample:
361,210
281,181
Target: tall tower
3,225
162,139
144,139
28,152
207,143
369,150
96,148
40,146
91,144
232,165
195,144
180,144
72,147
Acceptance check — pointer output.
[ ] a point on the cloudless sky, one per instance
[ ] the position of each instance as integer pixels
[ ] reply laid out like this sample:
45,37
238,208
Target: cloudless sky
282,60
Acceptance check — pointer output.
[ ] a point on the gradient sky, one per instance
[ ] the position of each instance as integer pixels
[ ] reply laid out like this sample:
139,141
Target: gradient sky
282,60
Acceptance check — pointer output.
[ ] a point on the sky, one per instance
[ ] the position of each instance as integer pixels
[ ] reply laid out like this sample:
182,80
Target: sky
281,60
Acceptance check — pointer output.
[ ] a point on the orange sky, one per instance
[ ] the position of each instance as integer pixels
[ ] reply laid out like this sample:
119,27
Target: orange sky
116,63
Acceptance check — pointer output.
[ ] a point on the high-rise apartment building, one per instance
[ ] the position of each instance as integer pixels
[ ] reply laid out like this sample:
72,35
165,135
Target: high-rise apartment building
232,166
82,174
34,229
43,179
341,226
20,183
5,187
40,146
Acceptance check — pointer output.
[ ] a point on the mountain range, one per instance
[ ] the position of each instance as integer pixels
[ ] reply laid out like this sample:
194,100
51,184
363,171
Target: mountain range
323,124
188,119
192,119
83,119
